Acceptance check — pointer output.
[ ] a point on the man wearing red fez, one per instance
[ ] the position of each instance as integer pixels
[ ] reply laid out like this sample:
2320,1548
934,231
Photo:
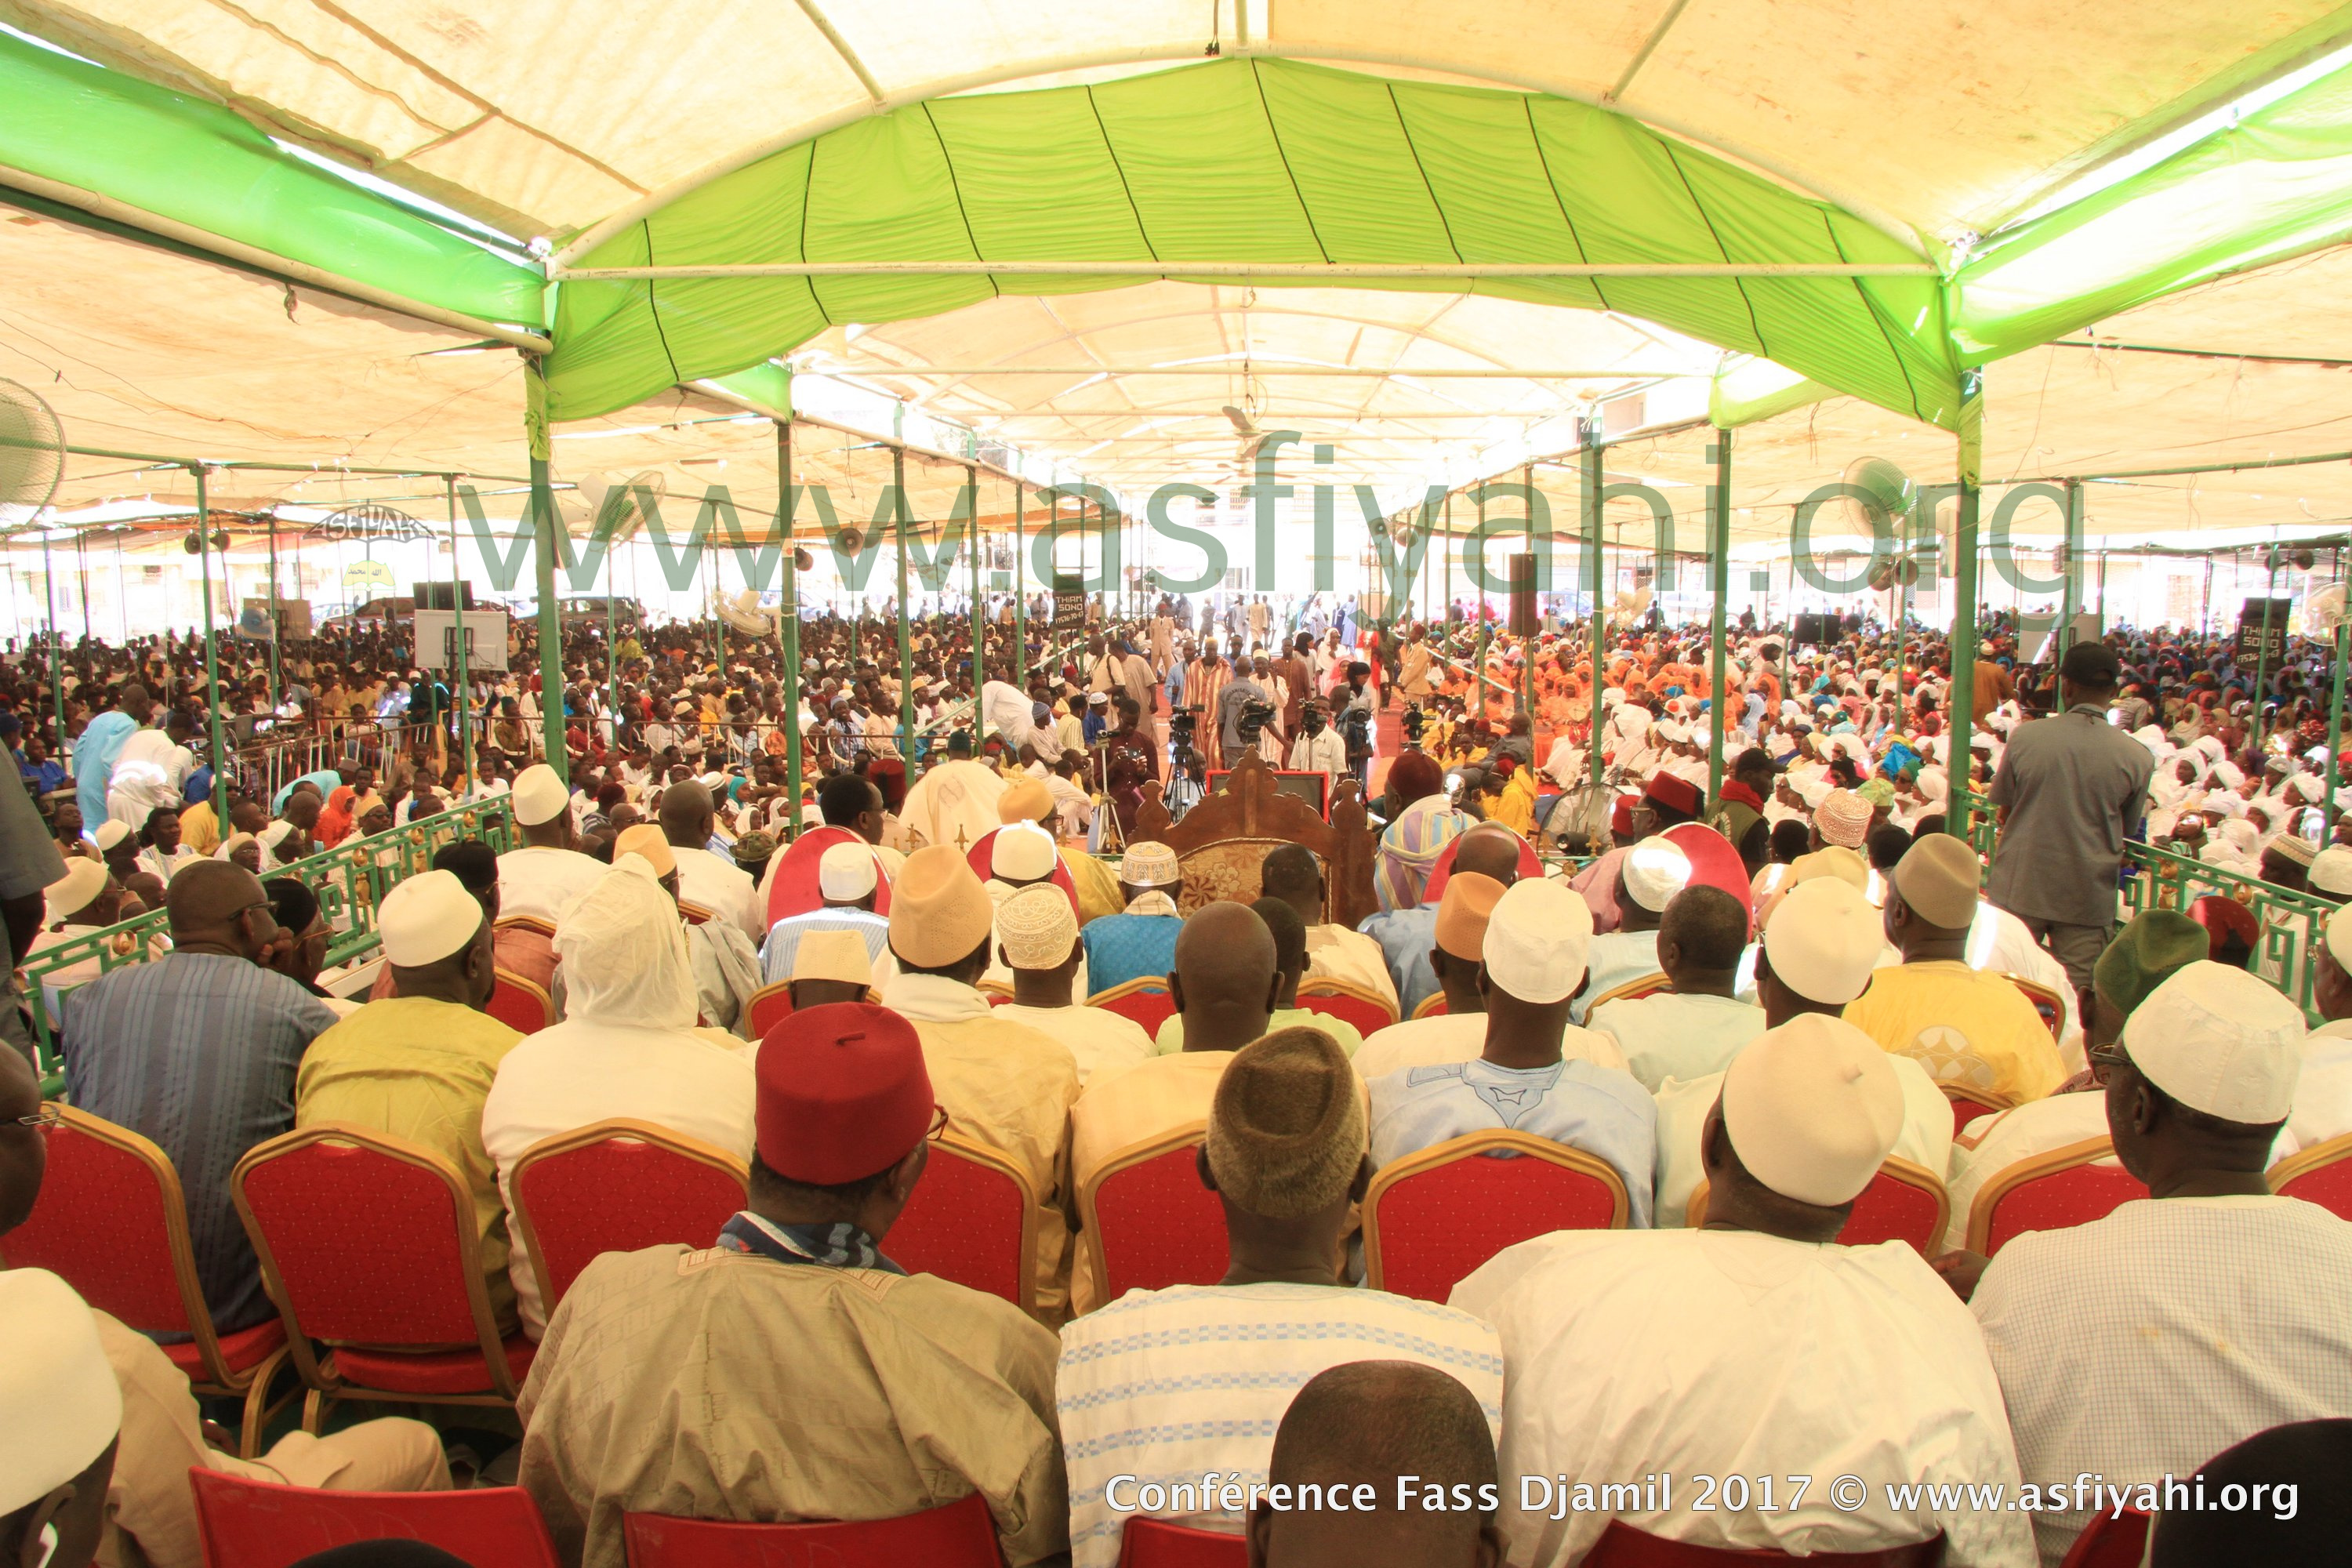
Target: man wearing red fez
676,1381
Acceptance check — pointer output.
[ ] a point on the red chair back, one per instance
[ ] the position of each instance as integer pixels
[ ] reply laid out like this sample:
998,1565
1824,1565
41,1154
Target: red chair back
1967,1108
520,1004
2062,1188
793,886
973,1220
770,1006
1437,1214
1154,1222
2110,1541
618,1186
1146,1002
961,1534
107,1181
2321,1175
1369,1014
1432,1005
255,1524
1156,1543
1622,1546
362,1238
1903,1203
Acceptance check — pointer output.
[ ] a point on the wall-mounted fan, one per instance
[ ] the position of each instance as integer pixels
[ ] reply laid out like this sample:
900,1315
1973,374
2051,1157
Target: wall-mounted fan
617,510
32,455
256,625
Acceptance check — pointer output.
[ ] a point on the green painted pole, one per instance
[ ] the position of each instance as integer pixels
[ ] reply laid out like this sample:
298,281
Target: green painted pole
788,627
2070,595
1962,695
1719,585
461,704
57,652
1020,593
906,646
277,667
1528,643
1589,435
2262,654
1478,580
221,761
543,527
2336,709
978,613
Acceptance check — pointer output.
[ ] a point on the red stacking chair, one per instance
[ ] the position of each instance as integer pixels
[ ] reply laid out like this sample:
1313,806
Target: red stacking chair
1432,1005
1968,1104
2051,1192
2047,1006
959,1534
368,1241
768,1005
1153,1222
1622,1546
1903,1203
1156,1543
1368,1010
1145,1000
1434,1216
973,1219
105,1180
618,1186
257,1524
2110,1541
2321,1175
519,1004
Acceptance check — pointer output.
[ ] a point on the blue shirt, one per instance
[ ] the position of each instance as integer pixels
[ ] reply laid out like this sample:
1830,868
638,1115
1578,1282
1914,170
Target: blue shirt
785,937
1120,948
196,1051
94,761
327,779
1599,1109
1405,937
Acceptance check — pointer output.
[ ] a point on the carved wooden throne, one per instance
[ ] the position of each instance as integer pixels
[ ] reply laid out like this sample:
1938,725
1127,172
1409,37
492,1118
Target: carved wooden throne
1222,841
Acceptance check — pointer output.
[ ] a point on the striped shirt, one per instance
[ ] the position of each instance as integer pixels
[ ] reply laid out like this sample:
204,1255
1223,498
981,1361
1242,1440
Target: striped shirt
784,943
196,1051
1167,1385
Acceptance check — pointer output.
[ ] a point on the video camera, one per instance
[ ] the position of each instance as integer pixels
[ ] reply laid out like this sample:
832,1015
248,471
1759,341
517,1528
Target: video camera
1182,724
1356,729
1414,723
1255,717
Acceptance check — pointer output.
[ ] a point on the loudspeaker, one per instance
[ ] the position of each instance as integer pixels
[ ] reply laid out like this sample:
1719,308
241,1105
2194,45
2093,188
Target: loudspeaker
435,596
1523,595
1811,630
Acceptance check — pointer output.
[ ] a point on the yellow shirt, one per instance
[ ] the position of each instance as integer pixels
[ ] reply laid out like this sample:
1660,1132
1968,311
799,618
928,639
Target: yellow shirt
1967,1028
419,1069
200,828
1097,884
1516,807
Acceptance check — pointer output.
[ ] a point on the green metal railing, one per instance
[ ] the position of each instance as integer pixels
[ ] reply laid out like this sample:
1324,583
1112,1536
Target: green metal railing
2292,924
350,880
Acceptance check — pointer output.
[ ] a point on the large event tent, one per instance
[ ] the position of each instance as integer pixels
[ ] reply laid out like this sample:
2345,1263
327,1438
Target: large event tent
2003,243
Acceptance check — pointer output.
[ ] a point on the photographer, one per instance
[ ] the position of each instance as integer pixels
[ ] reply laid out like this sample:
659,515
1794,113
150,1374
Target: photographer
1319,748
1241,692
1353,716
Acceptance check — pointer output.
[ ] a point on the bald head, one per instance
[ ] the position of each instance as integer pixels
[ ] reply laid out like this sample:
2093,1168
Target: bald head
1490,851
1371,1423
687,814
1225,977
219,905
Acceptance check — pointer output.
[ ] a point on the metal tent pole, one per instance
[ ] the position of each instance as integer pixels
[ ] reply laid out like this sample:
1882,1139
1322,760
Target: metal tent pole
788,627
2336,705
1020,594
1478,579
1589,435
1719,573
906,647
1962,697
1528,643
2070,597
212,651
56,660
277,667
461,703
543,527
978,615
2263,653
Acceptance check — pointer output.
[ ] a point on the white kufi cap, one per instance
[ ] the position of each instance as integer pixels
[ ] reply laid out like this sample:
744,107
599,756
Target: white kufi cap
426,917
538,794
1038,927
1022,852
112,832
1655,871
1536,939
1812,1109
59,1404
1822,941
2220,1041
846,871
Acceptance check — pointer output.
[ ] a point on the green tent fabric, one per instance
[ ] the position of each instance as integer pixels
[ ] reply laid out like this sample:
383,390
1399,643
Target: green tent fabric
89,129
2274,186
1249,160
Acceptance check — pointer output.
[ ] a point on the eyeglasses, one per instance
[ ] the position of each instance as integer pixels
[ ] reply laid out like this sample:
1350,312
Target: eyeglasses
52,1114
2104,1060
938,1126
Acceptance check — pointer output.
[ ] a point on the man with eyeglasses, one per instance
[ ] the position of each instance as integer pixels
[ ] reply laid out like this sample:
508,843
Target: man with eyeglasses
197,1050
667,1374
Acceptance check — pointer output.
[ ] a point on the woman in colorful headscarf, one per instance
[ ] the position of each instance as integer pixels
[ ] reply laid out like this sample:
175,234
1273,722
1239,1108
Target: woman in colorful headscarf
1425,825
